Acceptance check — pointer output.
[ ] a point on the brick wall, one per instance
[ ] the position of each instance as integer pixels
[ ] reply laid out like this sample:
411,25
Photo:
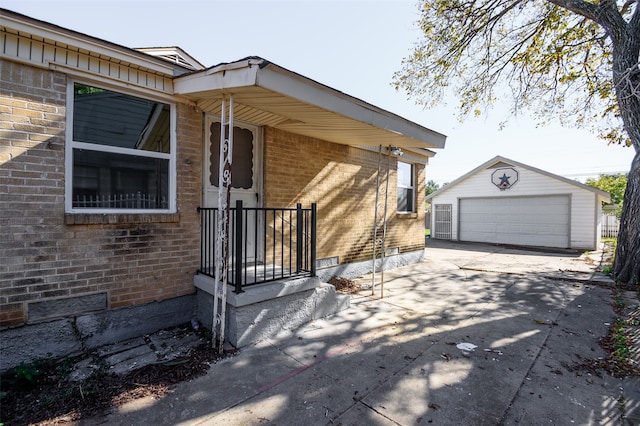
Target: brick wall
342,180
47,256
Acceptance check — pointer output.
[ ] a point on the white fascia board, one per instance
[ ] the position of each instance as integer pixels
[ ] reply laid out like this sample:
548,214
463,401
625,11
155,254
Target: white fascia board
551,175
220,78
81,41
295,86
605,195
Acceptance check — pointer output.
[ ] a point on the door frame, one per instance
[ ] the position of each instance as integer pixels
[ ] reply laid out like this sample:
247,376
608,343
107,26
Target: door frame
210,193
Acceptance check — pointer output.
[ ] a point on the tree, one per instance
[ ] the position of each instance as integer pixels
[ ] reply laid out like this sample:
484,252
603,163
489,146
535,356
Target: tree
576,61
431,187
615,185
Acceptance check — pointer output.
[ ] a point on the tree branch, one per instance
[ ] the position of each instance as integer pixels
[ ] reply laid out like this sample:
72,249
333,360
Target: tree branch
580,7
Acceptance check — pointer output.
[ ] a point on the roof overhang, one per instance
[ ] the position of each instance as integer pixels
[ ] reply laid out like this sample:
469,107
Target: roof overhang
503,161
269,95
23,25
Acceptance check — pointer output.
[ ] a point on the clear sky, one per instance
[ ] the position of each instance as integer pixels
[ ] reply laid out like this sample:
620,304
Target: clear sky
354,46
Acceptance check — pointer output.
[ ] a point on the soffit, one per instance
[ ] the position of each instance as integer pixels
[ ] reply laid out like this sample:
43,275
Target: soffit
271,96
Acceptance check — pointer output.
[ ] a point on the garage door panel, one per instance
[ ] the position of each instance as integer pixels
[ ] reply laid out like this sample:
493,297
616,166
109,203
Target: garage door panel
534,221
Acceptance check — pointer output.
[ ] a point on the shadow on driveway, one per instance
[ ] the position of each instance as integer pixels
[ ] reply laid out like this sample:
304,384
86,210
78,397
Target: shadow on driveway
398,360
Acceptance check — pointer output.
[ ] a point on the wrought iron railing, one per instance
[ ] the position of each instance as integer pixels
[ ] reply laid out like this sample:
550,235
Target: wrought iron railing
121,201
265,244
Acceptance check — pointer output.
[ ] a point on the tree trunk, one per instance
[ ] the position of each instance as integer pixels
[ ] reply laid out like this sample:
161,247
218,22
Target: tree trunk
626,79
626,267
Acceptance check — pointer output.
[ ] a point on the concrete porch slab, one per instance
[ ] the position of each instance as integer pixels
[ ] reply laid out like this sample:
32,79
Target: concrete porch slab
264,310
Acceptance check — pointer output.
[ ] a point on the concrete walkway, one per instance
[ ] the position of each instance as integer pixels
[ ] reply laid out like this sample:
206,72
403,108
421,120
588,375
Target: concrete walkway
474,335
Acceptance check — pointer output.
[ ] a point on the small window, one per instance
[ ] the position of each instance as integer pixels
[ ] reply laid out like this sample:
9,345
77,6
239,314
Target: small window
242,160
121,152
406,187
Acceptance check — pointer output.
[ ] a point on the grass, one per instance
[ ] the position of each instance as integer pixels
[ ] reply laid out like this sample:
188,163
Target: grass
610,246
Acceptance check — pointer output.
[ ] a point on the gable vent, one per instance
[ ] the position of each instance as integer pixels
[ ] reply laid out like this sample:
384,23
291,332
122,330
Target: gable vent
175,55
499,164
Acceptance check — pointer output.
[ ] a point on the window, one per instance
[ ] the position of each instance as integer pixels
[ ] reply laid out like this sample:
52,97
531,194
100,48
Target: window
121,153
406,188
242,176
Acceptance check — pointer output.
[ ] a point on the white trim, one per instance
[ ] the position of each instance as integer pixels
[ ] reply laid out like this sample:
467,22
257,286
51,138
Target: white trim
296,86
68,37
500,159
70,144
119,150
414,173
259,73
117,85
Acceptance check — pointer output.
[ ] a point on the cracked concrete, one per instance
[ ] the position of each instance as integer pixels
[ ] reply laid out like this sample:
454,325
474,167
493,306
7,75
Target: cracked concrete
397,360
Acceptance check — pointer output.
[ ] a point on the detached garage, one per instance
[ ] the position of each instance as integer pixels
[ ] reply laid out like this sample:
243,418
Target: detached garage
507,202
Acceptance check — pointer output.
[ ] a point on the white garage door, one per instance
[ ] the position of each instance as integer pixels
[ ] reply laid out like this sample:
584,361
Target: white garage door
529,221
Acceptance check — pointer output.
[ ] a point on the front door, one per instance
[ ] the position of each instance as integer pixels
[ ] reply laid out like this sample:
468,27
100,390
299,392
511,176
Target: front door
245,174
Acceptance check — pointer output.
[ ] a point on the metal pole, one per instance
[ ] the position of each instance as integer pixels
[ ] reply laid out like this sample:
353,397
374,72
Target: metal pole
239,237
299,236
375,224
384,226
219,258
222,236
314,220
227,188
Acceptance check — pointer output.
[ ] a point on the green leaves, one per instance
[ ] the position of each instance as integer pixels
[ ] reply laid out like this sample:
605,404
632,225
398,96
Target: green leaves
615,185
545,58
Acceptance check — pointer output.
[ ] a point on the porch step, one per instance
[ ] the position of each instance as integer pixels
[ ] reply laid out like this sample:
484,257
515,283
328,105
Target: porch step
264,310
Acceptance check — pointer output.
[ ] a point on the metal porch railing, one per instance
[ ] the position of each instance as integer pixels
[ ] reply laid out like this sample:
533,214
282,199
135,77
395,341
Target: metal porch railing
265,244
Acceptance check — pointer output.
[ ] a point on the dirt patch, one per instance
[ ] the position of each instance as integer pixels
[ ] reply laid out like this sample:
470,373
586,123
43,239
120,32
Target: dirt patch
43,394
345,285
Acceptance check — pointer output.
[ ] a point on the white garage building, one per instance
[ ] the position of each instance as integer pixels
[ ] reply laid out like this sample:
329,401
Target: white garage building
506,202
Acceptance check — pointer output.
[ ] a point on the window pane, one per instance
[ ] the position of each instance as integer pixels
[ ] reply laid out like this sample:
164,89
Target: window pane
405,174
117,181
405,187
405,200
109,118
242,171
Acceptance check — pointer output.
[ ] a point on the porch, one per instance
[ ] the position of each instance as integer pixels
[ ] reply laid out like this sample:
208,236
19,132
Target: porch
271,272
265,244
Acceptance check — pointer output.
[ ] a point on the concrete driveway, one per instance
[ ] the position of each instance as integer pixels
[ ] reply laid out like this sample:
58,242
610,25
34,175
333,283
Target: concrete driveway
474,335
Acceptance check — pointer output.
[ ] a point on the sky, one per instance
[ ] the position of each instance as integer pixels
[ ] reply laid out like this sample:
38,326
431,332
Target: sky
354,46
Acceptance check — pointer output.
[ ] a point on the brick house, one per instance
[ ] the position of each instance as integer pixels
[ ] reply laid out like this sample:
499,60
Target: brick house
108,163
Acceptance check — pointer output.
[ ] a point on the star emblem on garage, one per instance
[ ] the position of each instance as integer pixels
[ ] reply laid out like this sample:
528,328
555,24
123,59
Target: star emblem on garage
504,177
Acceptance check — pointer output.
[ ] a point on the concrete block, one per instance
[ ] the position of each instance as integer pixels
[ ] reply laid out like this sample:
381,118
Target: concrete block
275,306
126,323
131,364
358,269
251,323
259,292
204,307
58,308
139,348
108,350
30,342
328,301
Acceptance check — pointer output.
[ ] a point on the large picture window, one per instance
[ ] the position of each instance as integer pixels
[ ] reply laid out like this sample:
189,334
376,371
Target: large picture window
120,153
406,188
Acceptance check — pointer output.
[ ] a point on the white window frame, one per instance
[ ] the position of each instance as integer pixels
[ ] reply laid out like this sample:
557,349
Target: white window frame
70,144
412,187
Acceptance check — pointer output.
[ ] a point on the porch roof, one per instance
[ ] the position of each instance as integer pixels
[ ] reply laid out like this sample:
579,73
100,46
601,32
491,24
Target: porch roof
267,94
